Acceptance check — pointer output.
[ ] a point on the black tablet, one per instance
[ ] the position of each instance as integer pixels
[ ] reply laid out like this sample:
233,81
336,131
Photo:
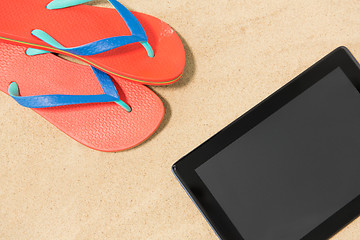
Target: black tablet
288,169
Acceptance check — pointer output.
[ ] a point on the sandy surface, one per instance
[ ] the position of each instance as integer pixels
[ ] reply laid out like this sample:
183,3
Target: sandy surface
238,52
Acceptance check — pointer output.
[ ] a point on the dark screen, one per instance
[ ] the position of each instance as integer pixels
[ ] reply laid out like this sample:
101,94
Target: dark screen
296,168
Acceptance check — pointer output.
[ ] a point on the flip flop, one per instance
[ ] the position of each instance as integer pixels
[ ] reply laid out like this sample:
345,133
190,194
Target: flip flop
146,50
87,106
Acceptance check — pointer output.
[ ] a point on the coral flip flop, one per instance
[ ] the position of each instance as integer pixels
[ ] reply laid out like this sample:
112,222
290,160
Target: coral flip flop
130,45
88,106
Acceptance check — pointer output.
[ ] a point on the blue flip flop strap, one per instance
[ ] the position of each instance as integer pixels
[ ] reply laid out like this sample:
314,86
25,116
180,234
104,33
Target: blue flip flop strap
92,48
137,32
46,101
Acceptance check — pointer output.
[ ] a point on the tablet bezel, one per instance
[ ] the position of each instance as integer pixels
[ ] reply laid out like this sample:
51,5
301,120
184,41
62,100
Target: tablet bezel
184,169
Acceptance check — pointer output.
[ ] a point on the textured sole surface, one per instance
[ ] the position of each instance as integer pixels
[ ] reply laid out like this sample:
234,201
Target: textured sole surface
101,126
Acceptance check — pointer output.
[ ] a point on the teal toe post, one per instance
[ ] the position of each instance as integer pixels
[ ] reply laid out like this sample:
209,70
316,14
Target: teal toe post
13,89
59,4
33,51
124,105
148,48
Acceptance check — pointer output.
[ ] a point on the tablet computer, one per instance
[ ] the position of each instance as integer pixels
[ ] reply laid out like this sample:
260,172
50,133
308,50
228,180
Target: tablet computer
289,168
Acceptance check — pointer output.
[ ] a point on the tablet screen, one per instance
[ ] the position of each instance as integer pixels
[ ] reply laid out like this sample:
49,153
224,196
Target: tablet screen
296,168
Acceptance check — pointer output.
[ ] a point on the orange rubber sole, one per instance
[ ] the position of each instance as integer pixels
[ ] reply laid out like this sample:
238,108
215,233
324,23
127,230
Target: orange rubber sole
82,24
100,126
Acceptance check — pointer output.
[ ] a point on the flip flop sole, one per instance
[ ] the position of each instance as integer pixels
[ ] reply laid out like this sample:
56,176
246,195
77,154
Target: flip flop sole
82,24
101,126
